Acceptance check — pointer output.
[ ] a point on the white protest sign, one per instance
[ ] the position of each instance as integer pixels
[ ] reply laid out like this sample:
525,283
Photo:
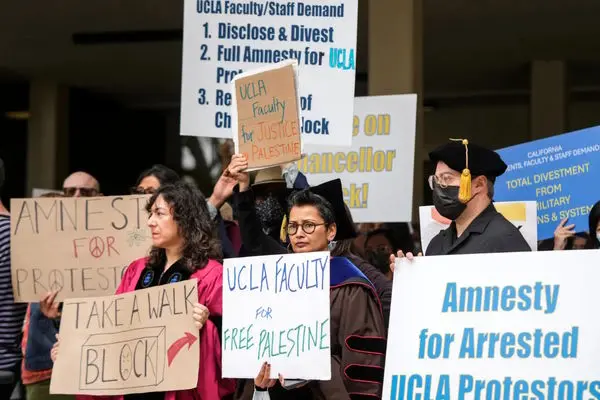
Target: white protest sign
501,326
222,38
276,309
523,215
377,171
138,342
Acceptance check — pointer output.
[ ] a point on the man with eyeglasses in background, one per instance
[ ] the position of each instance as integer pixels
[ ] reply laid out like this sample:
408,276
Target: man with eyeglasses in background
463,192
81,184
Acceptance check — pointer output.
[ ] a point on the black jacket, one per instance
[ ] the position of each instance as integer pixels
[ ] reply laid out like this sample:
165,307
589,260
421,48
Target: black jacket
490,232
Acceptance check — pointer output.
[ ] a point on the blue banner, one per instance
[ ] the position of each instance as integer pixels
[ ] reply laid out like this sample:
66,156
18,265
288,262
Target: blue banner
561,173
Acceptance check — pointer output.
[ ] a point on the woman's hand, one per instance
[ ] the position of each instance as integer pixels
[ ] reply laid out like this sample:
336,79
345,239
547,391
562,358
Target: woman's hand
200,315
230,177
408,256
49,307
237,168
262,379
54,351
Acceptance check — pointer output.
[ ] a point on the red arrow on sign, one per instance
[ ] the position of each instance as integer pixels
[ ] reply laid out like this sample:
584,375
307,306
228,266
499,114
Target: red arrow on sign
179,344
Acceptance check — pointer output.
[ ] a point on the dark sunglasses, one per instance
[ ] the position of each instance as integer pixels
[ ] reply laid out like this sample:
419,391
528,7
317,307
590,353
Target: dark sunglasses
141,190
85,192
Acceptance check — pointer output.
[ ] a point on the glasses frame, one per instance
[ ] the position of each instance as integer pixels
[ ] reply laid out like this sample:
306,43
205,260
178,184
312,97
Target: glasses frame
135,190
85,192
302,226
434,180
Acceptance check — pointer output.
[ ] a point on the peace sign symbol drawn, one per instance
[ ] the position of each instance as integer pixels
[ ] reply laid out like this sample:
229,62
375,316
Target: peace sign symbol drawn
97,246
55,280
125,362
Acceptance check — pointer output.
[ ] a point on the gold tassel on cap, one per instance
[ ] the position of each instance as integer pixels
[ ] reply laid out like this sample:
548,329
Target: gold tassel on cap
464,192
283,231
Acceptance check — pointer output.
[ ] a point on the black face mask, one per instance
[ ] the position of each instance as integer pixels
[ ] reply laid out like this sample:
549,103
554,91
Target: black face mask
446,201
270,213
380,260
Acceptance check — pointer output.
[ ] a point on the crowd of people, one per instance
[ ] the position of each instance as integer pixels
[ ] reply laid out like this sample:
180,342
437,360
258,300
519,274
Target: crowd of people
276,213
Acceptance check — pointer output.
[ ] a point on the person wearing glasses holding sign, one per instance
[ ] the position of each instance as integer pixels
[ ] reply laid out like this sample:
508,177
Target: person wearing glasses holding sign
316,217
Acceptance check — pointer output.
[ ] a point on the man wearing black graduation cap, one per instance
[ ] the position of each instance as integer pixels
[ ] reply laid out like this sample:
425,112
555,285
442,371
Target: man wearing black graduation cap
463,190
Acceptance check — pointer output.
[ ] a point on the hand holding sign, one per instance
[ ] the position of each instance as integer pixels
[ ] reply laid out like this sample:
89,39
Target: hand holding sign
262,379
237,170
223,189
49,307
409,256
200,315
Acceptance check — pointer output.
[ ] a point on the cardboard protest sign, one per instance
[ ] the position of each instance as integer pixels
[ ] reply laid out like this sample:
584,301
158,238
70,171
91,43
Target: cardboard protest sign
501,326
559,173
266,121
276,309
139,342
79,246
522,214
377,171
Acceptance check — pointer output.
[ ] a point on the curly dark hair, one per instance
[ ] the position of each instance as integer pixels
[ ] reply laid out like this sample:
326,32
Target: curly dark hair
198,231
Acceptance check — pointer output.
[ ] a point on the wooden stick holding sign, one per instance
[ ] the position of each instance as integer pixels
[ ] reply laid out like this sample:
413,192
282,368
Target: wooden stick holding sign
139,342
266,120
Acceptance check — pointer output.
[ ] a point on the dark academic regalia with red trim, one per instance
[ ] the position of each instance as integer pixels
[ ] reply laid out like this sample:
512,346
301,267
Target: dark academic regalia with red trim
357,326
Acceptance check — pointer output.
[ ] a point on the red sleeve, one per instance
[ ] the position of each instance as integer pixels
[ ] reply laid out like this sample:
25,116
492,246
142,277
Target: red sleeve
128,281
210,289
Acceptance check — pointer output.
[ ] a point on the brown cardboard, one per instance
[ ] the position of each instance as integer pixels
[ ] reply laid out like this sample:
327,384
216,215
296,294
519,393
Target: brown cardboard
138,342
79,246
268,122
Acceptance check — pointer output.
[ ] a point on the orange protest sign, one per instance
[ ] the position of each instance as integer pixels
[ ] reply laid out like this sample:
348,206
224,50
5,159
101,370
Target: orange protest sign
267,124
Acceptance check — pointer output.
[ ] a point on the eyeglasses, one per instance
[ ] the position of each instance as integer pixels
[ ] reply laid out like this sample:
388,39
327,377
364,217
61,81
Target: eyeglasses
141,190
443,181
307,227
83,191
